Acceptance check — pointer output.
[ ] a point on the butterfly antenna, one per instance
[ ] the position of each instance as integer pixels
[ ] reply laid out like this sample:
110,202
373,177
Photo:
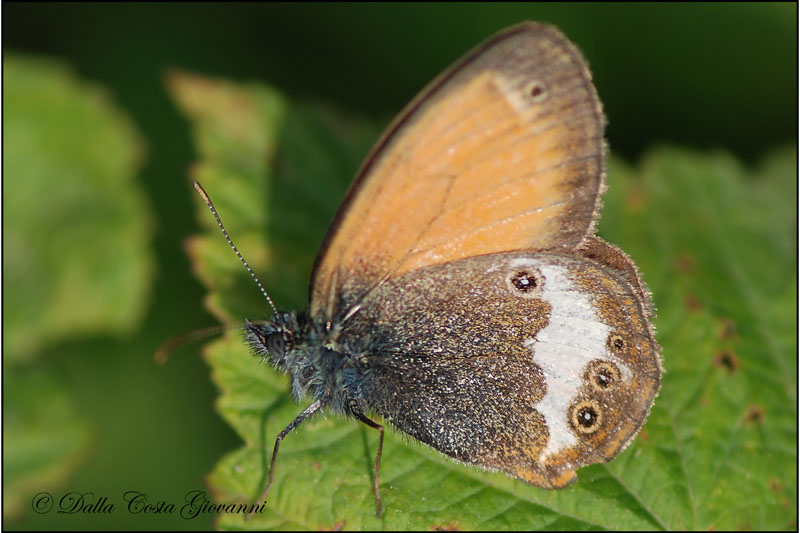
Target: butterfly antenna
210,205
171,345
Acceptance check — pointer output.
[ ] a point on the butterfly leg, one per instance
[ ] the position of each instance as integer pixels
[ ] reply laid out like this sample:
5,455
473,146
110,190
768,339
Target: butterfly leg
358,414
310,410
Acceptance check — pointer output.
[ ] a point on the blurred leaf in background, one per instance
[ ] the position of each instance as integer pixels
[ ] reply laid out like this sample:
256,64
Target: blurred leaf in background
715,241
703,74
76,257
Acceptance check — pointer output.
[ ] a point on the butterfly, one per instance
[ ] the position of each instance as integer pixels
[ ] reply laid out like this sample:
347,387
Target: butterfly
461,293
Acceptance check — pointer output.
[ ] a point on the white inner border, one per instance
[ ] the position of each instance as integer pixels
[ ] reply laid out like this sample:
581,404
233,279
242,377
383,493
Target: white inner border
573,337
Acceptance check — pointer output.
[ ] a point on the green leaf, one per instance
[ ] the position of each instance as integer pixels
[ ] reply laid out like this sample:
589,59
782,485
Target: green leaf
718,246
44,437
76,258
714,240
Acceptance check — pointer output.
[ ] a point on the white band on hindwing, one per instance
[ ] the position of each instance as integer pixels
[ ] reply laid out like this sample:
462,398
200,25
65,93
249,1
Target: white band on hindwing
573,337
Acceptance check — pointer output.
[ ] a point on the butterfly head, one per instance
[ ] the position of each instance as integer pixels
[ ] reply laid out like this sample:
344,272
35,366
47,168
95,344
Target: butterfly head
274,339
307,351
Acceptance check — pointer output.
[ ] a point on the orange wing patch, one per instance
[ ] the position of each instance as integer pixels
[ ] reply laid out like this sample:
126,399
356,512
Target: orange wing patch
503,152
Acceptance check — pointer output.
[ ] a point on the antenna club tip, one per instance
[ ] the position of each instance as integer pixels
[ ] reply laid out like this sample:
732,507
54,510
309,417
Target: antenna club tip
200,190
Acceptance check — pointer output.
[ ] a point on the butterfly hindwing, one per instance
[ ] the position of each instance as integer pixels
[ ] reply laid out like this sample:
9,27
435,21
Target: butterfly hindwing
530,363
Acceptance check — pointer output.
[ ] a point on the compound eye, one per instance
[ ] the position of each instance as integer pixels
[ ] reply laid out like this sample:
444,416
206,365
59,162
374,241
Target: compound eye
276,345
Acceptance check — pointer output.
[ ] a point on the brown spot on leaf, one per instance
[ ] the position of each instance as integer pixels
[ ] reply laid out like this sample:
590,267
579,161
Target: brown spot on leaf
644,435
691,302
727,329
636,198
338,526
450,526
685,263
316,465
774,485
754,414
726,360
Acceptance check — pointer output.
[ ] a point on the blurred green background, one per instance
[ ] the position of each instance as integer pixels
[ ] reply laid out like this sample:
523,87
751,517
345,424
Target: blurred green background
707,76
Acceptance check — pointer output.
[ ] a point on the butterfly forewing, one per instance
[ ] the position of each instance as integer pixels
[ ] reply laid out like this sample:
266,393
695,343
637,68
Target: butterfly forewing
502,152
